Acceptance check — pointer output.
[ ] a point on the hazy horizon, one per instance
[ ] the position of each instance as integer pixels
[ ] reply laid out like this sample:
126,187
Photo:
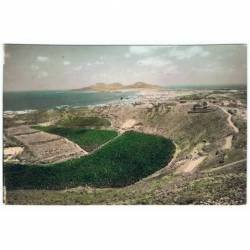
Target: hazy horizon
64,67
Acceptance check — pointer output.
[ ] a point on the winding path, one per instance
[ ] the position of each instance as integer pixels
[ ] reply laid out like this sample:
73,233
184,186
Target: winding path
190,165
229,119
225,166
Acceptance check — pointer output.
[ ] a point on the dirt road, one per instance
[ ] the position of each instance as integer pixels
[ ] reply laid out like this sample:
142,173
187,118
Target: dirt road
228,142
190,165
229,119
225,166
228,139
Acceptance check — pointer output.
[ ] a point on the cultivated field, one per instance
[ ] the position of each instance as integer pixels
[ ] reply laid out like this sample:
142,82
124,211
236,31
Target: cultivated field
88,139
124,161
181,147
42,147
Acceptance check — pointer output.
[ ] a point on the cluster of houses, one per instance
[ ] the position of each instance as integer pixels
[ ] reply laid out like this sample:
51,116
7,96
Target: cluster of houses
200,108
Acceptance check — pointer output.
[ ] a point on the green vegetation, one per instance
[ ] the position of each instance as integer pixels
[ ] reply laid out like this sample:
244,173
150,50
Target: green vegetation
194,97
225,186
88,139
124,161
74,121
65,117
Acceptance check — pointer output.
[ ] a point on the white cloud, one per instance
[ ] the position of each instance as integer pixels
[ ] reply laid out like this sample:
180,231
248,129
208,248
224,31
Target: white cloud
66,63
78,68
139,50
34,67
211,68
42,58
42,74
99,62
171,69
178,52
142,50
154,61
181,53
127,55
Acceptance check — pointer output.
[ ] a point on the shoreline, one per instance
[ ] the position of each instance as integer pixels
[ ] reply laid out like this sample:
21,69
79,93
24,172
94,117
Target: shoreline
128,99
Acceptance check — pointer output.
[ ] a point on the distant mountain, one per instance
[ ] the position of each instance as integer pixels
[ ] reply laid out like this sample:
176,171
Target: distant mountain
118,86
143,85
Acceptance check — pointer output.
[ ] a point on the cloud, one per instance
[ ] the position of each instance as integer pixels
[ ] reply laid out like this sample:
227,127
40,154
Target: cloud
78,68
99,62
66,63
211,68
43,74
143,50
89,65
34,67
177,52
181,53
42,58
127,55
139,50
171,69
154,61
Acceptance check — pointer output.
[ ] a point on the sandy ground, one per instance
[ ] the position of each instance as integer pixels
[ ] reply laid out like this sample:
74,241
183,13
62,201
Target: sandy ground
36,138
12,152
190,165
19,130
45,124
228,142
128,124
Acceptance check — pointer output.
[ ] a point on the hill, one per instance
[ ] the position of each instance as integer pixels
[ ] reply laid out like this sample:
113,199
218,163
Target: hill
118,86
123,161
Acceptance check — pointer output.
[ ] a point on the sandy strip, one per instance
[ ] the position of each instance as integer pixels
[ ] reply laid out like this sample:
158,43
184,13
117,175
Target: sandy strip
229,119
190,165
228,142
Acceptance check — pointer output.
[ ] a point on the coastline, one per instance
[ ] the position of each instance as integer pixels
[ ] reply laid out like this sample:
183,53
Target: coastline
56,101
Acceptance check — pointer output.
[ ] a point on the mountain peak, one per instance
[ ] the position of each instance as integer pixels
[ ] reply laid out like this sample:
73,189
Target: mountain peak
119,86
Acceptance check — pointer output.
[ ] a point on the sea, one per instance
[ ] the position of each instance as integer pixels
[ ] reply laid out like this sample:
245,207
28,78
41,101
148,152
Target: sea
42,100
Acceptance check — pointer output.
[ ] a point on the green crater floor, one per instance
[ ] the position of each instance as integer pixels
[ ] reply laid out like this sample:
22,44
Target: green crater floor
125,160
88,139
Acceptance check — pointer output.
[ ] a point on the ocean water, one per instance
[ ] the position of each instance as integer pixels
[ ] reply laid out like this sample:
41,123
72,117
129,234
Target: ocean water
17,101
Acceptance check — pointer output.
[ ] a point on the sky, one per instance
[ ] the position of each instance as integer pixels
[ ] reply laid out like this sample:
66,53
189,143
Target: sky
47,67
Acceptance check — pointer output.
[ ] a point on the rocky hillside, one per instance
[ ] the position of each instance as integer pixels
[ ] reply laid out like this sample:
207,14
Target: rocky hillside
118,86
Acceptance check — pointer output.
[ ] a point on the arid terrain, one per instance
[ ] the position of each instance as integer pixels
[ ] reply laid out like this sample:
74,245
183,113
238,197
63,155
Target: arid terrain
207,127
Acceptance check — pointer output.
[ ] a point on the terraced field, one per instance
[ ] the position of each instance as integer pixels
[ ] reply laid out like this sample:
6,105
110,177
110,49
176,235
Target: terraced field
39,147
127,159
114,173
88,139
75,121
